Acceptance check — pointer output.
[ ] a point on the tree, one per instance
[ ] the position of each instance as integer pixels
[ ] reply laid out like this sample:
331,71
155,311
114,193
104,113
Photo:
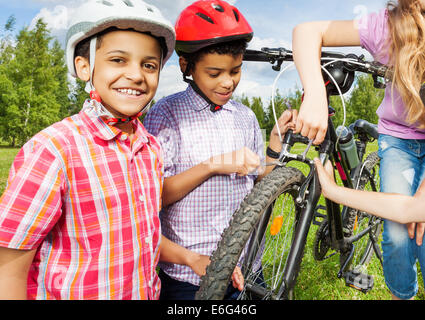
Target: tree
33,85
362,103
78,96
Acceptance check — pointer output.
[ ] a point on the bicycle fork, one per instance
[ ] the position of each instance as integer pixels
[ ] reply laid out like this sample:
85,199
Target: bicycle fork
300,236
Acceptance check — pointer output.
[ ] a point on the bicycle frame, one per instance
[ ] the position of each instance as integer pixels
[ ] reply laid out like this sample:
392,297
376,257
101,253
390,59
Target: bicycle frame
308,199
310,191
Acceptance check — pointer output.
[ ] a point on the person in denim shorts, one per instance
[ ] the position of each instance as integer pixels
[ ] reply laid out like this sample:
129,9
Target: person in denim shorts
392,37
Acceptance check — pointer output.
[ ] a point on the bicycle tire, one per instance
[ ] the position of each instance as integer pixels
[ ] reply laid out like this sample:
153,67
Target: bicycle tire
246,225
355,221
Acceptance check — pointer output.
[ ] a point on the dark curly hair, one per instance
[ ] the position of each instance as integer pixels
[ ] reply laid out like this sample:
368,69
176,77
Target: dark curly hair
234,48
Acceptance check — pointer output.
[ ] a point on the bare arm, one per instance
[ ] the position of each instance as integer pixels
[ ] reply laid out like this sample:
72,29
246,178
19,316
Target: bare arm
385,205
307,42
173,253
178,186
14,267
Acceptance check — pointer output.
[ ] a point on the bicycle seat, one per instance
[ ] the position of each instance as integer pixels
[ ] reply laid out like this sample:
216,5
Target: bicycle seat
363,126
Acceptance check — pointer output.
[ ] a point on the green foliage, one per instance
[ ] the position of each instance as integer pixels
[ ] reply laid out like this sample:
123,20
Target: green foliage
362,103
35,91
33,83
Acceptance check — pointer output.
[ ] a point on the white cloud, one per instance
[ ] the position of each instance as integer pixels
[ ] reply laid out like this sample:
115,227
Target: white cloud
56,19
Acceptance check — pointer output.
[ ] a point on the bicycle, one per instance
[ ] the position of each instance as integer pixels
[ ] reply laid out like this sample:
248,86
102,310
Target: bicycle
271,226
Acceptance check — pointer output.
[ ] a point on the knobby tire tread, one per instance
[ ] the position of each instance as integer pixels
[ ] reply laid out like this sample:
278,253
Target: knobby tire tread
234,238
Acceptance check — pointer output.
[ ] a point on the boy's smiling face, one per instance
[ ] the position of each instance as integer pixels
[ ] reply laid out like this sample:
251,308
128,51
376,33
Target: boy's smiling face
126,71
218,75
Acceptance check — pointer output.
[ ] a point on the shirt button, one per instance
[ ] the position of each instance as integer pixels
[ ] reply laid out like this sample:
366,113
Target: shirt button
148,240
124,137
141,198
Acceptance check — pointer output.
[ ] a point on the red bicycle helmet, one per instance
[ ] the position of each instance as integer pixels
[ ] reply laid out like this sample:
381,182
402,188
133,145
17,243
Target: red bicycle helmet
208,22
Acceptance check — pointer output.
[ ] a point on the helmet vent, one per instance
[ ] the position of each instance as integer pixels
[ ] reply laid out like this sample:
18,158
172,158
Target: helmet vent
205,17
107,3
236,15
128,3
217,7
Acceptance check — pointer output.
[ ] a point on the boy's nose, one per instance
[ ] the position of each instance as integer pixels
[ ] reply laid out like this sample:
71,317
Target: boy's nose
227,81
135,74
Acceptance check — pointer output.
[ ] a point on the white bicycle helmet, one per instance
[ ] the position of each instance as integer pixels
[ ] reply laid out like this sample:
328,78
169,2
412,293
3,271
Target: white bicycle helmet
95,16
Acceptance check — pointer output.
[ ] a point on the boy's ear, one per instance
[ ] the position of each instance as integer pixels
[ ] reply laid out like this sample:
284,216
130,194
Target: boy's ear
183,65
82,67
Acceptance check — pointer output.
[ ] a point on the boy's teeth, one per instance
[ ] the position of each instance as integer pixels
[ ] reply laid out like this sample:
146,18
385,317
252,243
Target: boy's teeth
129,91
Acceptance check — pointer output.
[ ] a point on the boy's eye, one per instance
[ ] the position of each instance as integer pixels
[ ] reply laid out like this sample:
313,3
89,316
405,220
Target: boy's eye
214,75
117,60
150,66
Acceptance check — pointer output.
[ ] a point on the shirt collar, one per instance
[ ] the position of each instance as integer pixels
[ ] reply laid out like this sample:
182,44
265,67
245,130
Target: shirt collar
199,103
98,127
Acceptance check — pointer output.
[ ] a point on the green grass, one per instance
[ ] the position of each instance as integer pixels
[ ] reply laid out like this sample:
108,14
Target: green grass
6,158
318,280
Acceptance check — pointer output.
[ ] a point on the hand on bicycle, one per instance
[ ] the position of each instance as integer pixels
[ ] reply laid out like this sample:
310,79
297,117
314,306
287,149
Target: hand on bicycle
242,162
326,178
286,121
199,263
237,279
312,121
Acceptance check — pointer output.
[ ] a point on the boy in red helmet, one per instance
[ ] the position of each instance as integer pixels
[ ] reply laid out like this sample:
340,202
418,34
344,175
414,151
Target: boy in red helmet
213,146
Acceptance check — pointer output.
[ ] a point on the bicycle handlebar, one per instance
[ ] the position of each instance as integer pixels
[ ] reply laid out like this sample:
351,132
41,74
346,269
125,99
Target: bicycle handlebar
351,62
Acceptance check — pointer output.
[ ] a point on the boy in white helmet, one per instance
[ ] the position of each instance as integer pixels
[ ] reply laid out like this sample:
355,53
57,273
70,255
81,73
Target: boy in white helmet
79,217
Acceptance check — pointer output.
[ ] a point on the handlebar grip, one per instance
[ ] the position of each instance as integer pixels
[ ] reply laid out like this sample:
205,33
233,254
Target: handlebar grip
255,55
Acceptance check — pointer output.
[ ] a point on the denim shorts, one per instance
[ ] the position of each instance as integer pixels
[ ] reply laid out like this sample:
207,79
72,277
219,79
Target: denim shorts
402,169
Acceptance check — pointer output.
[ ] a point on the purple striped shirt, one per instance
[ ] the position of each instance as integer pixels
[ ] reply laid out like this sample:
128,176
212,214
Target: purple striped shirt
190,133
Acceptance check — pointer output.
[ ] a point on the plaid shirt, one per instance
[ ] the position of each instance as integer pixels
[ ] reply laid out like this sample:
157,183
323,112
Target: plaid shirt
88,199
190,133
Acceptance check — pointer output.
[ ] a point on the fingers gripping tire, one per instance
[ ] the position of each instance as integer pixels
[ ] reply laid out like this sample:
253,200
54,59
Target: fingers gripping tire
283,180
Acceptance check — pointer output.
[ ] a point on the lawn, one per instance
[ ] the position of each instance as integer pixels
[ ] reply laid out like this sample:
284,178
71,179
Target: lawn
316,281
6,158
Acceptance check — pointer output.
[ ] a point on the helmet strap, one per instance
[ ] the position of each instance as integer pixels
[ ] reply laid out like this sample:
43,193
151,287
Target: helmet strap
213,106
94,95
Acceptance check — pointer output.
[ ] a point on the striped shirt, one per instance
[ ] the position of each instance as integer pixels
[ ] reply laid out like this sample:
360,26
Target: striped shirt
87,199
190,133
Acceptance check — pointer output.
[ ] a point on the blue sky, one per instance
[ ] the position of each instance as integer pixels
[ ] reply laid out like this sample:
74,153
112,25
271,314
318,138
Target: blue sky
271,20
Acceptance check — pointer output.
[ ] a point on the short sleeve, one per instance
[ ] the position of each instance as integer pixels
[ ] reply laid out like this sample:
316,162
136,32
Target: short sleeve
164,129
31,204
374,35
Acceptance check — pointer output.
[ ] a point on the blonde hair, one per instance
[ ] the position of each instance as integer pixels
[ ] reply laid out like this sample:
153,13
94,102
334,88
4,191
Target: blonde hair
407,55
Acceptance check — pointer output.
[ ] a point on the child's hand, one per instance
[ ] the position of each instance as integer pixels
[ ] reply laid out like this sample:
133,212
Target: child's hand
242,162
199,263
237,279
286,121
326,177
312,121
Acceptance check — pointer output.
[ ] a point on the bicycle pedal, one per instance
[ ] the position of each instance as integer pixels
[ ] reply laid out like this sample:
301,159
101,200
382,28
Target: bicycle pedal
360,281
319,217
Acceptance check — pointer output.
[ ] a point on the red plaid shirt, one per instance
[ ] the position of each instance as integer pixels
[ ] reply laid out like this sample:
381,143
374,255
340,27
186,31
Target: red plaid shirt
88,199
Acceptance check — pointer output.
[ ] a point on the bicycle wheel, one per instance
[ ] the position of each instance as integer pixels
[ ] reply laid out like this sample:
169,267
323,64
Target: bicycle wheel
355,221
258,237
